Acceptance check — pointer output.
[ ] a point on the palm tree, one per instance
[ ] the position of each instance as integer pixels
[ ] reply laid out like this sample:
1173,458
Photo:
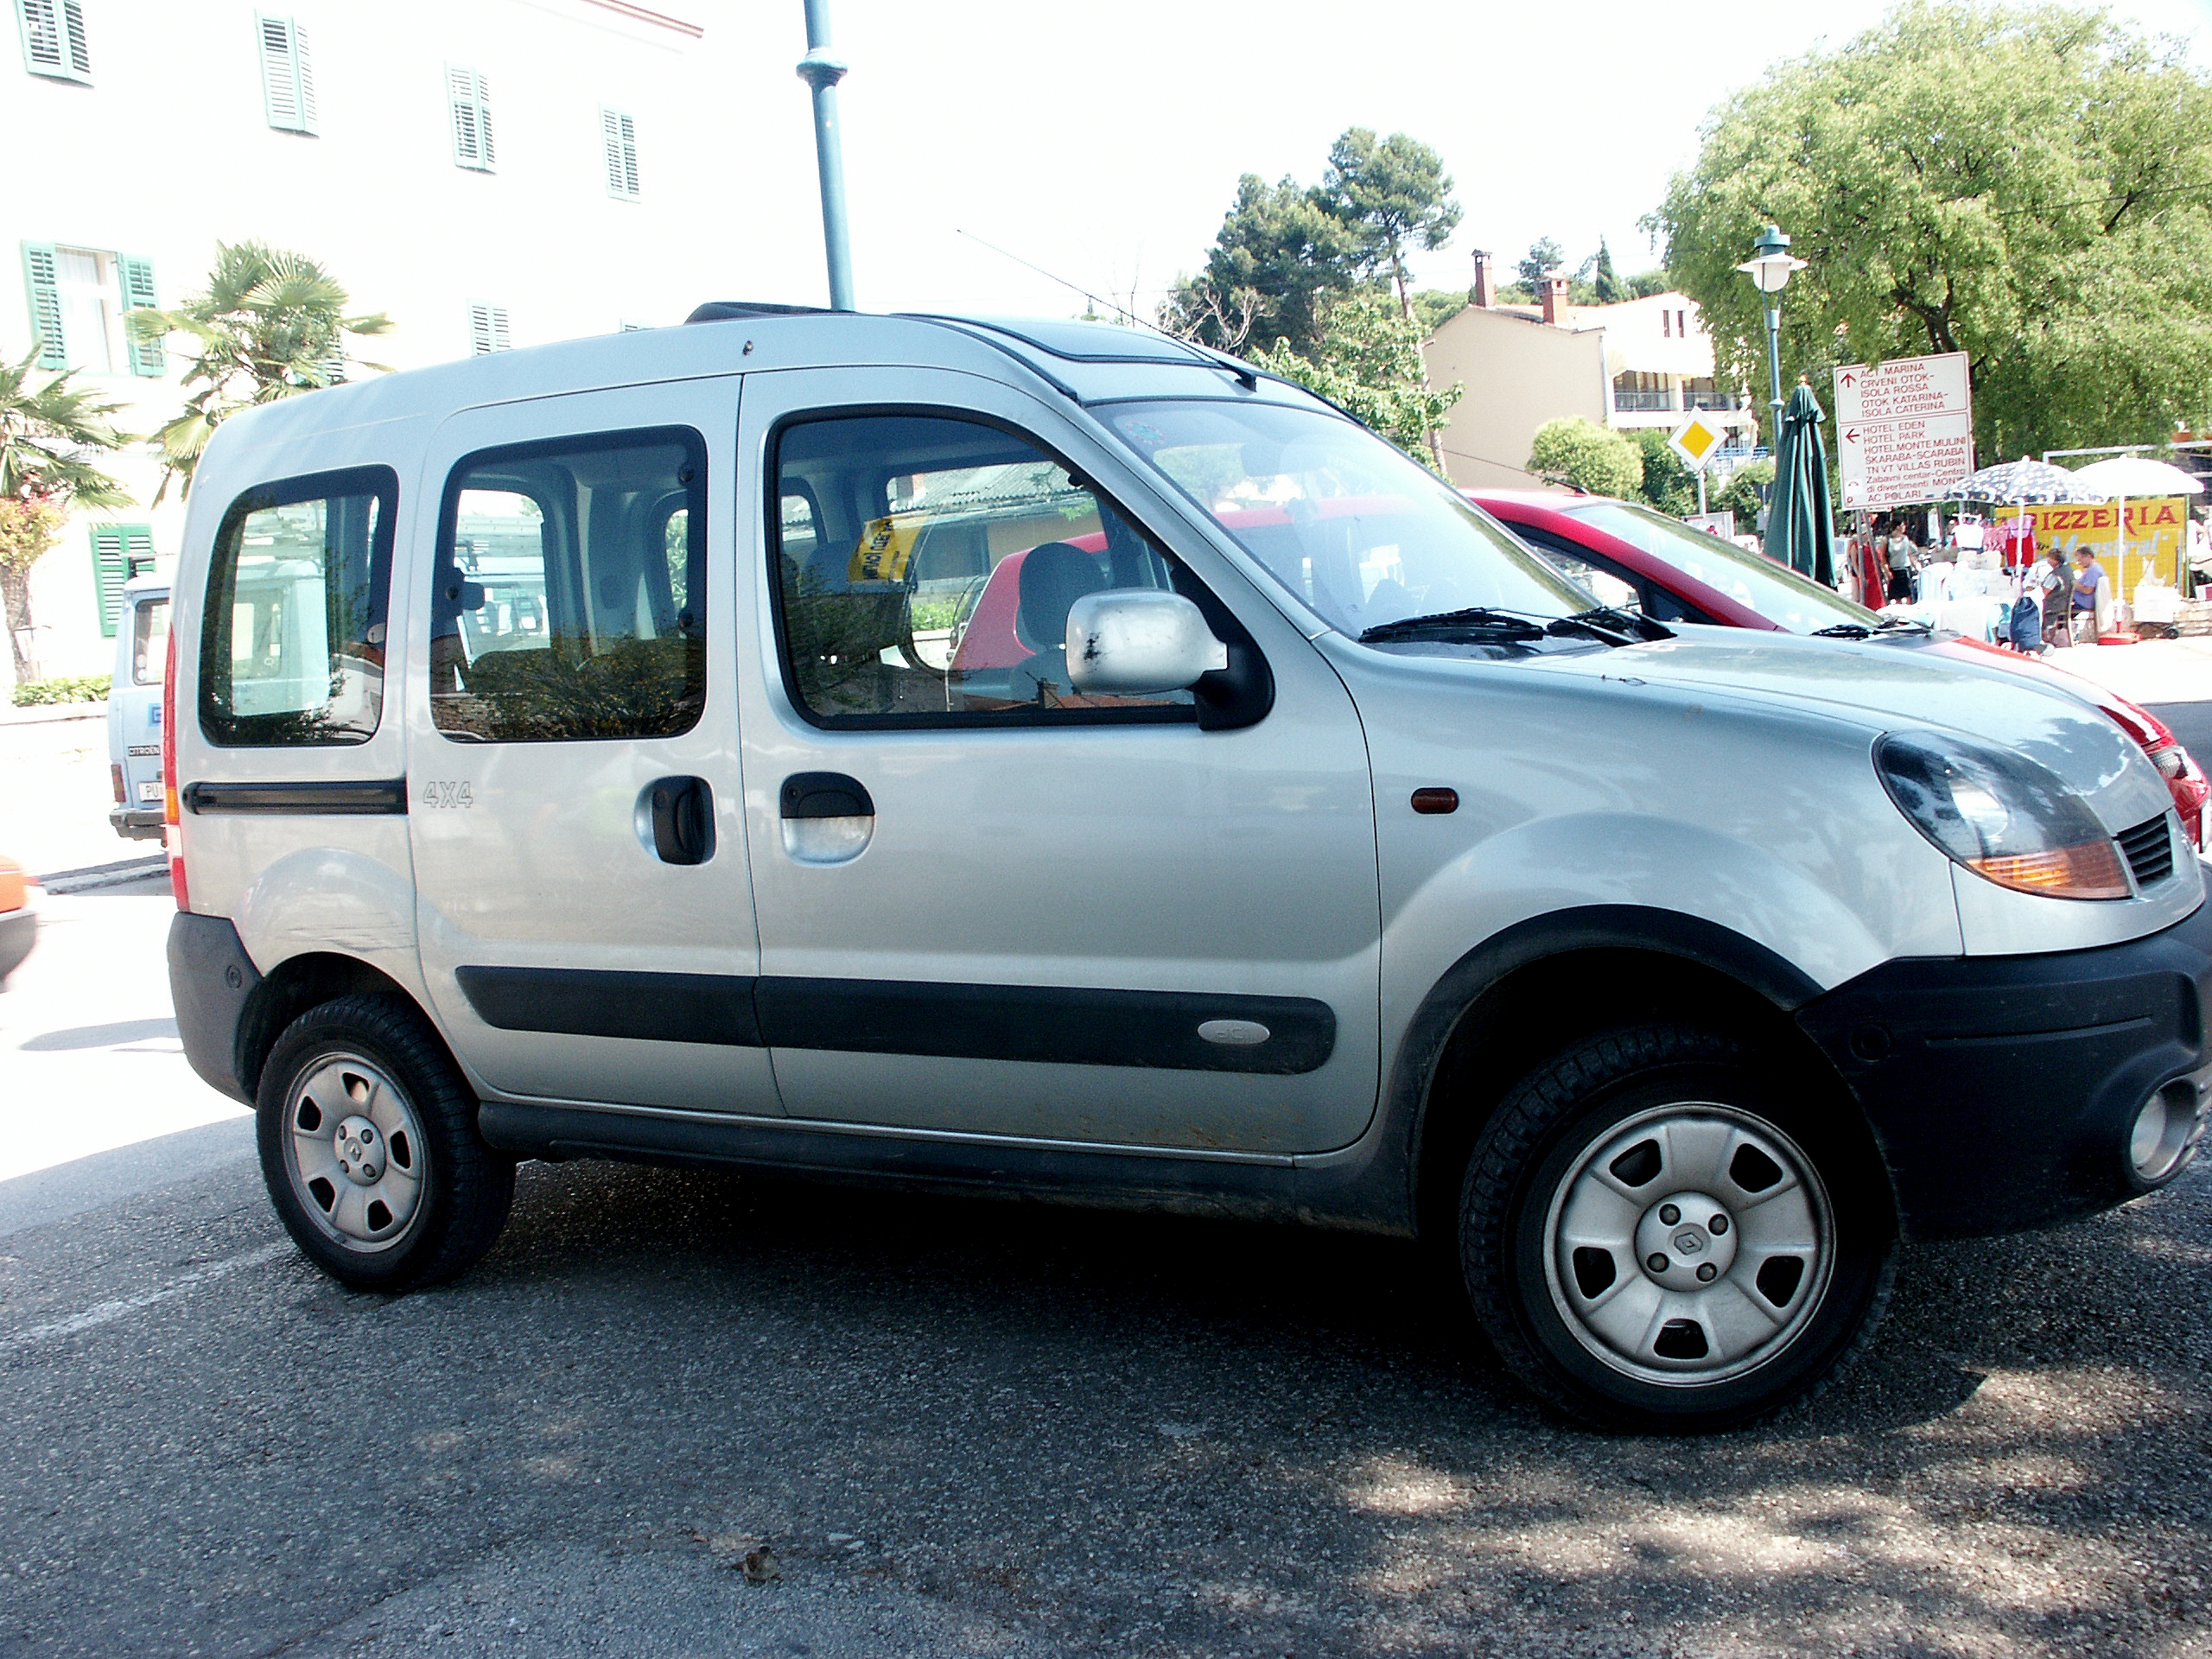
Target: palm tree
271,325
50,433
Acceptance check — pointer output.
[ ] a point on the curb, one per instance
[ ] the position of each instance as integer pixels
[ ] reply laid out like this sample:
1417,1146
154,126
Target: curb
52,714
104,875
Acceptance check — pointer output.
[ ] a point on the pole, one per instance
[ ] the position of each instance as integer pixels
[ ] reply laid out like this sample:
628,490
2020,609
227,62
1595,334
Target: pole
822,70
1774,368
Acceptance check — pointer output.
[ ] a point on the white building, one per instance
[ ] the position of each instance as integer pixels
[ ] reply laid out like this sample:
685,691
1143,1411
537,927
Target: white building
485,172
1637,363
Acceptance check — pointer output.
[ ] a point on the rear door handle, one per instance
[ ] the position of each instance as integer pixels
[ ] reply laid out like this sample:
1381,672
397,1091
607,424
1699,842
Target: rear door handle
676,819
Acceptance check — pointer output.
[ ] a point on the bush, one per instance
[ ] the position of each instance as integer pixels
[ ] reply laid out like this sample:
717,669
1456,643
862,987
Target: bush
1668,485
71,687
1572,450
1740,495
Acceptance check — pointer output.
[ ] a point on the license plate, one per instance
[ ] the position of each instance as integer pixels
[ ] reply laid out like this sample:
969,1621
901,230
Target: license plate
149,792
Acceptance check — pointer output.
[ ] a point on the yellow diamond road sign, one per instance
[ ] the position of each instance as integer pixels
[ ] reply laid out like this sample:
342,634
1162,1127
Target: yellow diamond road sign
1696,440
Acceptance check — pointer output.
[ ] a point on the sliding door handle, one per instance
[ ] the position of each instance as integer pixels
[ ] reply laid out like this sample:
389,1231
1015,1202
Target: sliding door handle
676,820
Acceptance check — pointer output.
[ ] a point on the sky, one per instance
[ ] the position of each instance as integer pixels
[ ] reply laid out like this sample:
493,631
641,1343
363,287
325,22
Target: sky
1103,144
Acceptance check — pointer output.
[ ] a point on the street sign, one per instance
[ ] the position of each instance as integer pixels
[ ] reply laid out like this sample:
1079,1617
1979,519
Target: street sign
1695,441
1904,430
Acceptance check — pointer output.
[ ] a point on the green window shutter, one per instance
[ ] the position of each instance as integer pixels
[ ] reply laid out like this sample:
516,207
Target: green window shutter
136,277
287,81
110,569
119,552
469,101
54,39
46,304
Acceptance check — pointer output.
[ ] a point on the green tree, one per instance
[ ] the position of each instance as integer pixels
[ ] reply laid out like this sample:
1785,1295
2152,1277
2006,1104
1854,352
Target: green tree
1606,286
1545,257
1668,482
1434,307
1740,494
1391,196
1369,363
2031,186
1645,283
1279,255
1579,452
52,436
272,324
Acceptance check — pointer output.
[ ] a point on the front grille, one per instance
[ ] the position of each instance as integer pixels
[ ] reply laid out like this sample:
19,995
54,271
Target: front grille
2149,849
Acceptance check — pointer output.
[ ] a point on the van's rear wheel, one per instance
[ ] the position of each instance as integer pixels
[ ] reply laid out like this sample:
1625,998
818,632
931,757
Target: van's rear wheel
1659,1232
369,1146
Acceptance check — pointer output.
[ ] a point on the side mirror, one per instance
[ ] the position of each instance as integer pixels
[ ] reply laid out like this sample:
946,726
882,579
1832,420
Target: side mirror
1134,642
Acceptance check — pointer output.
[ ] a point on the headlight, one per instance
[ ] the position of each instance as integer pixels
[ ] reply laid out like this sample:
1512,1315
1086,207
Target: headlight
2002,816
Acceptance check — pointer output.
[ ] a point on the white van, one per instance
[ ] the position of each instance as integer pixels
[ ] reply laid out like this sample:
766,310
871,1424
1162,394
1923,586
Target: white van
134,709
1282,838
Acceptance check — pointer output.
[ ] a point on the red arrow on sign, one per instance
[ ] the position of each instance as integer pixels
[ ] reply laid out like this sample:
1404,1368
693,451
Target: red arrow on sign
1851,436
1850,379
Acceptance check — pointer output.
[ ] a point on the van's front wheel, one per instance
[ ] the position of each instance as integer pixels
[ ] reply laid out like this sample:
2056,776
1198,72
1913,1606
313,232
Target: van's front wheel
1658,1232
368,1144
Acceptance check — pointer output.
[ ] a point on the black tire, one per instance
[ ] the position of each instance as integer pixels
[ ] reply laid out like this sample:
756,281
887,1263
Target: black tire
374,1063
1631,1094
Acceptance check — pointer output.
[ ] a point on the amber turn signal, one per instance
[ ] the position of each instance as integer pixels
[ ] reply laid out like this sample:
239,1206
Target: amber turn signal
2090,869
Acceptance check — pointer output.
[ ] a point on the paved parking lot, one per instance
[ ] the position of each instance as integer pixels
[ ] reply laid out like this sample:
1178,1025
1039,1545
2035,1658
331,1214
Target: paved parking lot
941,1427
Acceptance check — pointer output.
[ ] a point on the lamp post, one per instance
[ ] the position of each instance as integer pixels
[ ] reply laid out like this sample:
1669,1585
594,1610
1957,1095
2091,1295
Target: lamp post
1769,267
821,69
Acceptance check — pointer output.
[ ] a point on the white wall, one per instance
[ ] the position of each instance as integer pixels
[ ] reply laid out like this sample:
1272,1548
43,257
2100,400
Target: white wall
169,150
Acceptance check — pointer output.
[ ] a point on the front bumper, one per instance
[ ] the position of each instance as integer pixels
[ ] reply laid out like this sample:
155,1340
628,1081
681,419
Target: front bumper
2003,1089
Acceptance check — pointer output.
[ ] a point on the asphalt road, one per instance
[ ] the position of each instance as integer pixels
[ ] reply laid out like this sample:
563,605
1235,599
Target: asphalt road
2191,723
962,1427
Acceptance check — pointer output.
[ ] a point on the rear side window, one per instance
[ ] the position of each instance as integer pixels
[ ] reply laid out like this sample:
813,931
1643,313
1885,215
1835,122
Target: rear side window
150,641
292,645
568,595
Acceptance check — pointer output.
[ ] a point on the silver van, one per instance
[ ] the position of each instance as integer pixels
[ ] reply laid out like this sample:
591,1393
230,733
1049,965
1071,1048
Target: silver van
639,748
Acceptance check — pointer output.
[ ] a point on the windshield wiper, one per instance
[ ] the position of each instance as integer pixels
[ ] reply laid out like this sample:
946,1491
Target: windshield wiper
1477,625
1843,631
1614,627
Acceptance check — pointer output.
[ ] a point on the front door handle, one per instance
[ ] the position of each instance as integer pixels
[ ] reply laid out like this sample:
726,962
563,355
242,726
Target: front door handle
828,818
676,819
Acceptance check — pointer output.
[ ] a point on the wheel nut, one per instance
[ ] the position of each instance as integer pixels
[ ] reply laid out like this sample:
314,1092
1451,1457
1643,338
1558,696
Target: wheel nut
1717,1226
1656,1262
1670,1213
1707,1273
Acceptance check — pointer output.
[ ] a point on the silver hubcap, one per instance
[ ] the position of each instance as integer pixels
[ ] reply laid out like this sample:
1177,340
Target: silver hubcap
1688,1245
353,1147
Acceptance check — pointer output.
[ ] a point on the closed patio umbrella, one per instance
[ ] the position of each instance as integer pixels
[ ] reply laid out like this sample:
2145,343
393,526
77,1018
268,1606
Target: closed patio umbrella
1799,530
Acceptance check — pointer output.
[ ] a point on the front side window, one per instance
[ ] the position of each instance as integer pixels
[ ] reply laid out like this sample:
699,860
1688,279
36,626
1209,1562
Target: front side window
1361,535
568,597
292,647
926,566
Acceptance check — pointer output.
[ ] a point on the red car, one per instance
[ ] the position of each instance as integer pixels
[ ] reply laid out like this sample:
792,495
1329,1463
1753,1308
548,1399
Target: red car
1637,559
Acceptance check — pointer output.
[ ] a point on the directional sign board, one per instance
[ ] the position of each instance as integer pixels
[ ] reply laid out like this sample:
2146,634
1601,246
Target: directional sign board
1696,440
1904,430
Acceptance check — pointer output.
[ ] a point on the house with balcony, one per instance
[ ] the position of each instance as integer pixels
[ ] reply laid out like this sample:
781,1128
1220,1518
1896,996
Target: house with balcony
1638,363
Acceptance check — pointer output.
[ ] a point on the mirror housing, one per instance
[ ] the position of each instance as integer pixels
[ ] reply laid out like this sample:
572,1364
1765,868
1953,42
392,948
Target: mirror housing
1135,642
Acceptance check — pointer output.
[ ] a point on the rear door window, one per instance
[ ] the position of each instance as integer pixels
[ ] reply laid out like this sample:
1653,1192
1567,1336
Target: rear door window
568,595
292,647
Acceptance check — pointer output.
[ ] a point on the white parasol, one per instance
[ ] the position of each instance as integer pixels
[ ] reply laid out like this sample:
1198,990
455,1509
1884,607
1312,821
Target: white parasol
2138,476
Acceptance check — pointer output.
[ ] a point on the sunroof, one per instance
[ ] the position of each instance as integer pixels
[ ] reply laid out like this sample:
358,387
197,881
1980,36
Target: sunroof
1092,342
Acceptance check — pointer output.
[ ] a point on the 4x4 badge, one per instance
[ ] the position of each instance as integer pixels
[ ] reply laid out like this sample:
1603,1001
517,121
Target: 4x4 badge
447,791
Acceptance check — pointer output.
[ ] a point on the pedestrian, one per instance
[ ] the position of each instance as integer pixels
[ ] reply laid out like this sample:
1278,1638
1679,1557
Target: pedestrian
2088,580
2048,581
1900,556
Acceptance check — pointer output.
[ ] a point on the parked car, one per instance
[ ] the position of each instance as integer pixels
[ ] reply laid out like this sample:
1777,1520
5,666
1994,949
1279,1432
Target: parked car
134,709
18,917
1663,568
1322,853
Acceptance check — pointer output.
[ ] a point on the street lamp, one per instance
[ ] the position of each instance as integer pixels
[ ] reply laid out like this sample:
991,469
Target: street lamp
1769,267
821,69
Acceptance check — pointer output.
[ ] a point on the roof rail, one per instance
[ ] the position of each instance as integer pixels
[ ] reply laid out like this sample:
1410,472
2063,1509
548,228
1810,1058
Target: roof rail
728,310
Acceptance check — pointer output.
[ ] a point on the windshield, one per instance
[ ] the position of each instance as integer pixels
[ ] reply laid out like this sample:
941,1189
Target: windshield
1358,532
1752,580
